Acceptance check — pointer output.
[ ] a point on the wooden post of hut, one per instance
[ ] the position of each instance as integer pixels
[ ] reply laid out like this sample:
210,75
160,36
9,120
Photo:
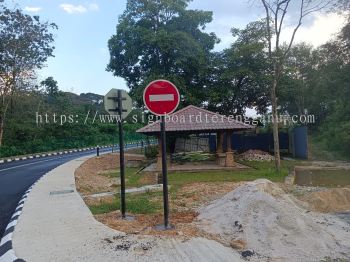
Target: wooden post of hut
220,155
229,162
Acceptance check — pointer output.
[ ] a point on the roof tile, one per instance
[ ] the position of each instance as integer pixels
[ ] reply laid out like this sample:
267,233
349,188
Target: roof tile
192,118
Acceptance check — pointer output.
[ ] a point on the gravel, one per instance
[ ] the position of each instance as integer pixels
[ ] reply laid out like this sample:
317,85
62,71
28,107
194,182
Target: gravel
256,155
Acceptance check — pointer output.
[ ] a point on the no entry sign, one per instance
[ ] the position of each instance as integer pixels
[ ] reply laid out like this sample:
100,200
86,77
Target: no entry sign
161,97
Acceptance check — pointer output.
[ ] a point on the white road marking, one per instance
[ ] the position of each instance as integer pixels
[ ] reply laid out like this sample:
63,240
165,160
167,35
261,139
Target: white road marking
6,238
16,214
32,163
9,256
28,164
21,205
159,98
13,223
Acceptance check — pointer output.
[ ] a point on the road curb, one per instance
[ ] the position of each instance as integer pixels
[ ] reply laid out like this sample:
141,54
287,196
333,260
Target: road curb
7,254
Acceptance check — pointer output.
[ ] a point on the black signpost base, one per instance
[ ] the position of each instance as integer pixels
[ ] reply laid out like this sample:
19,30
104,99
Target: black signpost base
163,227
127,217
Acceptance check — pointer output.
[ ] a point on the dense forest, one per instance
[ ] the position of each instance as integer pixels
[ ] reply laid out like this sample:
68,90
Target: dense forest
27,130
165,39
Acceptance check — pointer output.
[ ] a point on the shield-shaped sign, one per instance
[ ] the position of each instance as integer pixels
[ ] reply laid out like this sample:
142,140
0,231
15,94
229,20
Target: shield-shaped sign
111,102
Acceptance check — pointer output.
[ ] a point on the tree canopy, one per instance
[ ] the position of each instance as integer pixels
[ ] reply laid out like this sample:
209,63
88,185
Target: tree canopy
165,39
241,73
50,85
25,45
162,39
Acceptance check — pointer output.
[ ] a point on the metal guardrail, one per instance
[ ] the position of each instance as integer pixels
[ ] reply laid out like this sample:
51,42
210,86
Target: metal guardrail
64,152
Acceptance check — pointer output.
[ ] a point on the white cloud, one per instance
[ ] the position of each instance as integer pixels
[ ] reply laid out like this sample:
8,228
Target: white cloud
316,29
93,7
33,9
73,9
322,28
226,14
78,9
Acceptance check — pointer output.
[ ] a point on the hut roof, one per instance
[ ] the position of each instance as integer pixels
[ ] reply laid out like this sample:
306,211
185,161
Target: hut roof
195,119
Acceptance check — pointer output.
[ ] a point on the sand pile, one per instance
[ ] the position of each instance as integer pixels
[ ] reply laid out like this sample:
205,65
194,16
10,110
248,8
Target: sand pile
273,226
256,155
331,200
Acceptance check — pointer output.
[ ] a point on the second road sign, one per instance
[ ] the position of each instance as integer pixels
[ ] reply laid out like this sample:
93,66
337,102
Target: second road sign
111,102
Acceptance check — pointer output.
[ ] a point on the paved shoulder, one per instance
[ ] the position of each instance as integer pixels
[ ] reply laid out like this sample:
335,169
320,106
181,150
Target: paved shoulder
56,225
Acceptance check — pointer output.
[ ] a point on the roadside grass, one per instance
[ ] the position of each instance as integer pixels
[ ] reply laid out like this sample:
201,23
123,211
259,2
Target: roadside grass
136,203
138,151
130,176
318,151
258,170
151,202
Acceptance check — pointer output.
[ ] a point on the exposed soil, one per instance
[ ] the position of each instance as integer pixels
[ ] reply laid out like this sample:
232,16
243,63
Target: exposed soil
148,179
193,195
183,207
94,201
183,202
144,224
259,218
89,178
330,200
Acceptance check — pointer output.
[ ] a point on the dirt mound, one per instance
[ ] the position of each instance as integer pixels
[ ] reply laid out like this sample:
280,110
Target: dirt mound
145,224
274,226
331,200
256,155
87,176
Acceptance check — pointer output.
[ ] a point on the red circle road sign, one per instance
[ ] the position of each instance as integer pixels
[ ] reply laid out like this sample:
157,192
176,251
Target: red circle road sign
161,97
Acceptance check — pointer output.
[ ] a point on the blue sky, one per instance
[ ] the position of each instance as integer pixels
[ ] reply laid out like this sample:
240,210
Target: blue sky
81,53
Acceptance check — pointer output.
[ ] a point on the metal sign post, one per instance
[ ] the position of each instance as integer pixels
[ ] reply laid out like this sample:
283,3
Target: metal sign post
162,97
164,174
116,107
121,154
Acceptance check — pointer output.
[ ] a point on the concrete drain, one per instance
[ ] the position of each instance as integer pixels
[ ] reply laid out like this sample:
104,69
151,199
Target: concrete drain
61,192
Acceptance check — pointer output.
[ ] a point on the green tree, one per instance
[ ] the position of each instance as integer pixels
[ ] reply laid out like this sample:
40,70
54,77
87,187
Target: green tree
278,52
162,39
295,82
50,85
25,45
239,73
331,92
316,81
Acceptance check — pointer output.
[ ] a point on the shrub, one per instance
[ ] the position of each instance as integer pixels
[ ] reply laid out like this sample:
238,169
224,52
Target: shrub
151,151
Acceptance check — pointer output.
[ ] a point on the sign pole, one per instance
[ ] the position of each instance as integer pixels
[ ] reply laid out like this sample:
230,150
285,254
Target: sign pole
162,97
118,102
121,154
164,174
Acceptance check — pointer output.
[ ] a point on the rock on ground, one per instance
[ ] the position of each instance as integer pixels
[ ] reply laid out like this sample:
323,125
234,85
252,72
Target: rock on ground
274,226
256,155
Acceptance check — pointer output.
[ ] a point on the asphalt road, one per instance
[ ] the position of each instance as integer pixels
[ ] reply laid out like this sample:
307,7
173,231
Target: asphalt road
17,176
